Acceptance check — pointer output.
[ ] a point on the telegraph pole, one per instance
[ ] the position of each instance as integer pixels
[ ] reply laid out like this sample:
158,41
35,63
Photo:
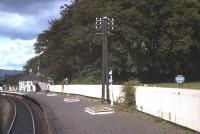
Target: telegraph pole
103,25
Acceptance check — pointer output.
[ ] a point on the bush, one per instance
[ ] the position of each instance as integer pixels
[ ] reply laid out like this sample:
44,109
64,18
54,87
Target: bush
129,92
126,103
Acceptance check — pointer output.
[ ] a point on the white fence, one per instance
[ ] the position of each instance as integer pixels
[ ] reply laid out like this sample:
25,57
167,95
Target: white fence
13,88
180,106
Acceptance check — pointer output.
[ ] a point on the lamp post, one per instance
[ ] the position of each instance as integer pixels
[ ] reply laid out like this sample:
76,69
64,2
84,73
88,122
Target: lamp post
103,26
53,85
39,69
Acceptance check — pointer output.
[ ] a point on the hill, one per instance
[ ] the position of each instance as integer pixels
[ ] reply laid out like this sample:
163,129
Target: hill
9,72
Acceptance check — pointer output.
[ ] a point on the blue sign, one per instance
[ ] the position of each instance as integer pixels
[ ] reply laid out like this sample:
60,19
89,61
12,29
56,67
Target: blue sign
180,79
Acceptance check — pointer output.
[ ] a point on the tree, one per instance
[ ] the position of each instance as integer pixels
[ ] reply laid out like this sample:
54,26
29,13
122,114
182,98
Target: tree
152,40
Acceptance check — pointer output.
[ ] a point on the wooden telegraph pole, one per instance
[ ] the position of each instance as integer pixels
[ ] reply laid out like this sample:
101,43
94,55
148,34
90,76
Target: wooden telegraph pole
103,25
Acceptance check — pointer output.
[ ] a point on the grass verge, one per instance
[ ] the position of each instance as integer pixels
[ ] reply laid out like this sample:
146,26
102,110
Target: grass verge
187,85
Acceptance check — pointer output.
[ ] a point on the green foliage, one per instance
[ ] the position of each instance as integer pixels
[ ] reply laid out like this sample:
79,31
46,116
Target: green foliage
150,38
129,92
127,102
186,85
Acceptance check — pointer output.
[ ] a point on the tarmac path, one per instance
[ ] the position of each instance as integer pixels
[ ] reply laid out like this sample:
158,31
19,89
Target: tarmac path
72,119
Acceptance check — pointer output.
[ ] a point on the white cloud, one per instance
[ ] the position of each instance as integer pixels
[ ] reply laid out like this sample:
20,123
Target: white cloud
13,19
15,53
20,23
14,25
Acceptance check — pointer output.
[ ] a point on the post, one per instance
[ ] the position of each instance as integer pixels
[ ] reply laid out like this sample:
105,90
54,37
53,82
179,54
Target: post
111,87
53,85
66,80
105,36
102,25
103,62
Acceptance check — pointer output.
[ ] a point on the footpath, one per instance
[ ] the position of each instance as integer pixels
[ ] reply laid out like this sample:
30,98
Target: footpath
71,118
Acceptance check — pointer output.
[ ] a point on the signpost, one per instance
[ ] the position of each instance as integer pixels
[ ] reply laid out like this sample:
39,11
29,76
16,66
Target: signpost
180,79
66,82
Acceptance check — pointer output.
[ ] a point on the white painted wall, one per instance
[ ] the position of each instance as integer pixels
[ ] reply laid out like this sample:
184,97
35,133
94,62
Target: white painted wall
87,90
180,106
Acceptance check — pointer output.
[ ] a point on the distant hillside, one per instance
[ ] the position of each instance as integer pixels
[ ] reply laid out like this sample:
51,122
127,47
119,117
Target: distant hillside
9,72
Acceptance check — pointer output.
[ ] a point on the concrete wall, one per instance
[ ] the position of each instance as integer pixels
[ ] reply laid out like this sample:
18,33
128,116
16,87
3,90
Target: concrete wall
180,106
87,90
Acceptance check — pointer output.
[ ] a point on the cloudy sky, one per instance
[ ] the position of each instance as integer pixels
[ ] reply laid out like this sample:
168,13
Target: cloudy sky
20,23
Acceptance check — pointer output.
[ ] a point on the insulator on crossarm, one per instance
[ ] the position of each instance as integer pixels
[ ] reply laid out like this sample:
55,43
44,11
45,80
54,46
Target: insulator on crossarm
105,17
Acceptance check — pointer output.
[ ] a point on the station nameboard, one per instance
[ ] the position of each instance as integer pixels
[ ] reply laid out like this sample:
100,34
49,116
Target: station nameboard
180,79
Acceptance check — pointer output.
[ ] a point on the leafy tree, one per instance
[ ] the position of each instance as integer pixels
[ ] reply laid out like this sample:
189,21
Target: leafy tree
152,40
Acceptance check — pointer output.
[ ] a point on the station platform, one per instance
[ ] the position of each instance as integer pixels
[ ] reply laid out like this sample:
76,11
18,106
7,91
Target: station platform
70,118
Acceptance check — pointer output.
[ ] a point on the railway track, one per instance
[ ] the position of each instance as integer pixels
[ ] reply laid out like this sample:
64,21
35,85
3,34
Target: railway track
23,115
14,116
23,120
